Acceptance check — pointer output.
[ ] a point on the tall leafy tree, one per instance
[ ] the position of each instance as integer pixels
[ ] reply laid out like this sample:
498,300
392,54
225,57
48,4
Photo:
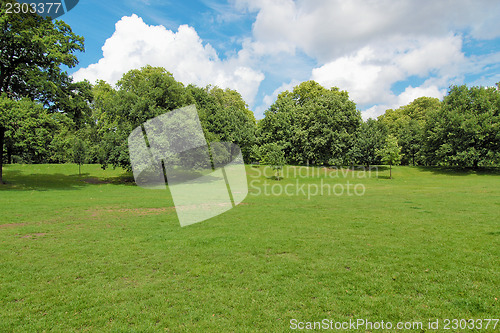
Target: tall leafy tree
229,119
312,124
141,94
466,131
30,129
32,51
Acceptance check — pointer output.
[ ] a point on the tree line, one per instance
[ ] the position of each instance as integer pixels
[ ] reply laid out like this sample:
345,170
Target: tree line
45,117
315,125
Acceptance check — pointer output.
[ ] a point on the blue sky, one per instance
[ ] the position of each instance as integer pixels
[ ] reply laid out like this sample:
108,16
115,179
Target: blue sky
384,53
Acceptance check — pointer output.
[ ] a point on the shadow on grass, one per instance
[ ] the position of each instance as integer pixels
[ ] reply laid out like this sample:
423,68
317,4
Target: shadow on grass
14,180
275,178
333,167
124,179
459,171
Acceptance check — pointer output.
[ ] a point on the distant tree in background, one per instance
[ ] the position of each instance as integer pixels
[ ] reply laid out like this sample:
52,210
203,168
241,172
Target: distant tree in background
390,153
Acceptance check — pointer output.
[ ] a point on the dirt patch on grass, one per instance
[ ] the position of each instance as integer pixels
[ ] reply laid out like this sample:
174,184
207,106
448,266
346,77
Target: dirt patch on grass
99,212
12,225
35,235
146,211
130,211
115,180
95,181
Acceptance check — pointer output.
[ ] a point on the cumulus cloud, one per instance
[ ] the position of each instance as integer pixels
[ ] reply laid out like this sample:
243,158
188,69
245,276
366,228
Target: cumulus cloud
135,44
358,74
365,47
327,29
369,74
411,93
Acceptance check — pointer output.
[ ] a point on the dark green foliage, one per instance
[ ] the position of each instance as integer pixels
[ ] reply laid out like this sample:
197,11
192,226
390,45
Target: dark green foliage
225,117
141,95
368,140
407,124
313,124
462,131
28,130
148,92
255,154
465,131
32,51
273,155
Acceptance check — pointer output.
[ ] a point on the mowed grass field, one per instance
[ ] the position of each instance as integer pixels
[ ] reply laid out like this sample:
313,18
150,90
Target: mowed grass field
97,253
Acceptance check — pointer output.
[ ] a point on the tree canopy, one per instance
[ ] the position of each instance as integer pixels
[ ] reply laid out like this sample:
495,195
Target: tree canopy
32,51
312,124
146,93
466,130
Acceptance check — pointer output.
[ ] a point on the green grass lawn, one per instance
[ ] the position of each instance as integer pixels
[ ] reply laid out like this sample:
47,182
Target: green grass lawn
97,253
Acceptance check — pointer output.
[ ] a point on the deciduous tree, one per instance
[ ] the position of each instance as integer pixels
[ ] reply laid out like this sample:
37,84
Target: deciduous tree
32,51
466,130
312,124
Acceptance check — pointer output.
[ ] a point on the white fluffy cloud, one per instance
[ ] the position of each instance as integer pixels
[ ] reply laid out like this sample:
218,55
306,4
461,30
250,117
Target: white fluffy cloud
359,74
365,47
369,74
135,44
327,29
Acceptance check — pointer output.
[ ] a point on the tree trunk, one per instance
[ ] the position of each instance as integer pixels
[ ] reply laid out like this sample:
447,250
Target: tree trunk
390,171
9,155
2,135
